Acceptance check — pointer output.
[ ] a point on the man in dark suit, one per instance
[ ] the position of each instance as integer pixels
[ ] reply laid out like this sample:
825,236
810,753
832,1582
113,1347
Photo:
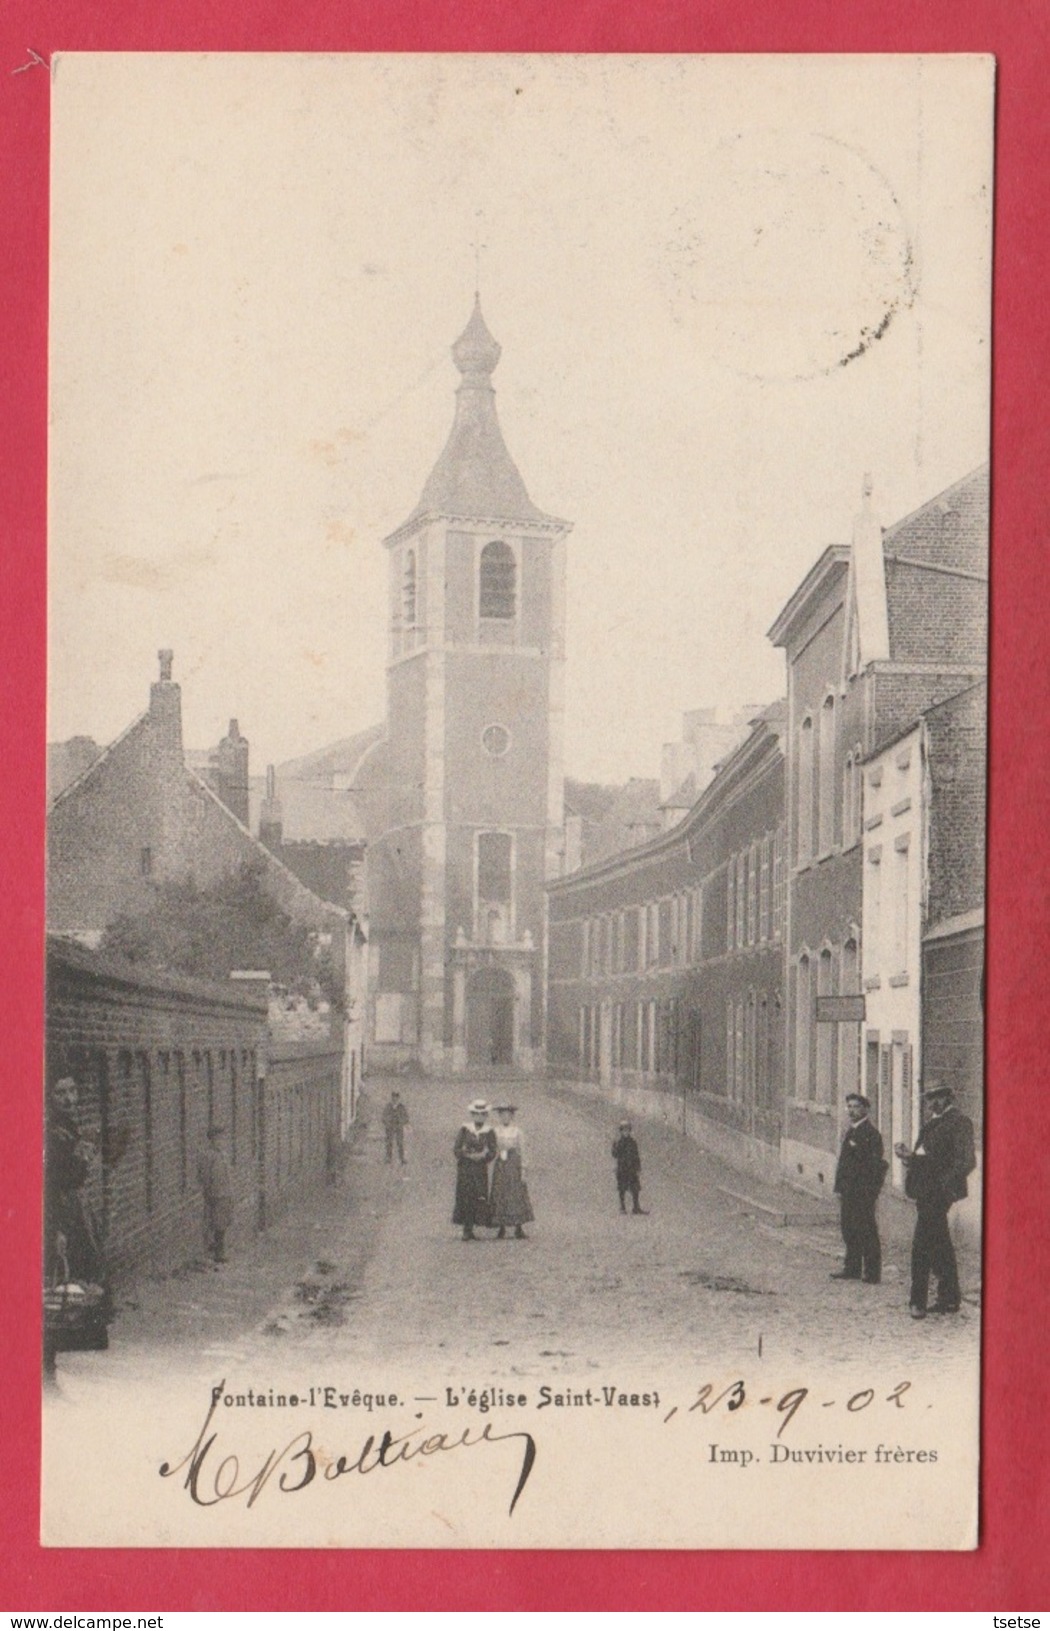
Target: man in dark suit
858,1179
937,1170
628,1167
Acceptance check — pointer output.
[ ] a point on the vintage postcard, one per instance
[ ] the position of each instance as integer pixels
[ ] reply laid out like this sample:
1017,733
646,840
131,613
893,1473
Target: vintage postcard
519,539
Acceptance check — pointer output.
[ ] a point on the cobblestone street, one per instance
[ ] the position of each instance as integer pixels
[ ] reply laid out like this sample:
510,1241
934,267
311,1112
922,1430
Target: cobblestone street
374,1269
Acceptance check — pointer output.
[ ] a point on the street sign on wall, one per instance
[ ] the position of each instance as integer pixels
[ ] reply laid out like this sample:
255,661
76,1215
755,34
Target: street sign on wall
840,1010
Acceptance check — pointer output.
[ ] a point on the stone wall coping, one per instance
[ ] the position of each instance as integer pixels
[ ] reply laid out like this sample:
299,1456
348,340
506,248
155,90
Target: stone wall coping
66,957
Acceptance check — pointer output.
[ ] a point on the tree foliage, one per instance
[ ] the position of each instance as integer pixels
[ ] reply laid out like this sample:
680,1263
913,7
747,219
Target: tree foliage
231,924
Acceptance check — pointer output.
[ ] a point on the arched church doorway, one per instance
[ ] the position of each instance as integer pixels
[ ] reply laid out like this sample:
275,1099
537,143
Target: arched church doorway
490,1017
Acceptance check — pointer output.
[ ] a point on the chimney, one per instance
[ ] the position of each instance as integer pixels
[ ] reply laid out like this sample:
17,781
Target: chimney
165,708
271,824
868,574
232,773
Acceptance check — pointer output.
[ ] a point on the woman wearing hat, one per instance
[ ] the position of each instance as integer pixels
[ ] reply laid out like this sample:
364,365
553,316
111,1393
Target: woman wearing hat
509,1205
474,1148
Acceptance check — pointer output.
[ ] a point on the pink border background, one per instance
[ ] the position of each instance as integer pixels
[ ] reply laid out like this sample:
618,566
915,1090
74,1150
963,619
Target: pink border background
1009,1572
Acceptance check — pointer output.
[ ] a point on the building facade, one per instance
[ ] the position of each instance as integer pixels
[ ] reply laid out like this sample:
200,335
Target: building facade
876,634
667,962
463,796
138,816
896,837
953,929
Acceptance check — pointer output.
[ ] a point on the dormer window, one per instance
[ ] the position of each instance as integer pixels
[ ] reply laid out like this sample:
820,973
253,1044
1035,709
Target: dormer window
497,586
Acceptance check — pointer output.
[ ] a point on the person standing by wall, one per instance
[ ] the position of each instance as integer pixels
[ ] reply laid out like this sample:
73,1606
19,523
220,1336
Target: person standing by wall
78,1304
937,1170
859,1177
216,1181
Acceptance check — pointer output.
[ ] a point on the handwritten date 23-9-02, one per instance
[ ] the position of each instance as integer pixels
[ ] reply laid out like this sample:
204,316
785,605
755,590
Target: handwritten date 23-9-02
735,1395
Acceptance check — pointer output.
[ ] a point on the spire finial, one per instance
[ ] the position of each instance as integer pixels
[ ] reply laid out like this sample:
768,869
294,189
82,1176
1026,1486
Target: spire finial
477,247
867,487
476,353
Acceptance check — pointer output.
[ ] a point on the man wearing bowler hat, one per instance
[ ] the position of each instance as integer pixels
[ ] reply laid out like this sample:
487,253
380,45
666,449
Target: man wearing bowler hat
858,1178
936,1174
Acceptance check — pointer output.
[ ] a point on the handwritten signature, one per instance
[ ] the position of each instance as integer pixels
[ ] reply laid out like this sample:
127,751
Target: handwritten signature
212,1475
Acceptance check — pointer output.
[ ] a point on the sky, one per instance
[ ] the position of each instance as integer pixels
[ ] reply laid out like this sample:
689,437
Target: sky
725,287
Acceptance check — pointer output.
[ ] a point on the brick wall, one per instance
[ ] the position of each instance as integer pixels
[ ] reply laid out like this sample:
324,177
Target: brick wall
957,756
300,1126
696,1034
953,1018
157,1059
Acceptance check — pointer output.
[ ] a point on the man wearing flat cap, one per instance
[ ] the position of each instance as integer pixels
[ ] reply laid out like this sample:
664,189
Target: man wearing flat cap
936,1174
858,1179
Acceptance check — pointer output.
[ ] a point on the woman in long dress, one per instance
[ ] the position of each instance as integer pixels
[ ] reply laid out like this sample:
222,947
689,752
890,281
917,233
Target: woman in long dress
509,1205
474,1148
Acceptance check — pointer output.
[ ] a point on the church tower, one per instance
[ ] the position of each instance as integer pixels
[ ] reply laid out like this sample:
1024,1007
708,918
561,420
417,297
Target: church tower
466,792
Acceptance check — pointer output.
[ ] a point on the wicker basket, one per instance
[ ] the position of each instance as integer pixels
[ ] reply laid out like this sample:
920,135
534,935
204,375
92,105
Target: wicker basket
75,1316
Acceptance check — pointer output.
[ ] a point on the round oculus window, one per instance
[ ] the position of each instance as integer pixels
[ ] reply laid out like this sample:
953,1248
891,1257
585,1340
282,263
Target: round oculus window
495,739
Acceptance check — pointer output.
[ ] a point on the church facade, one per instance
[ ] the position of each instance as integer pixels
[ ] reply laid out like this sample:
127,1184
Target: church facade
463,794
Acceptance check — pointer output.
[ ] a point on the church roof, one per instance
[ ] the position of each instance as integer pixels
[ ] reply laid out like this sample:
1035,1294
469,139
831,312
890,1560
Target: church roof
475,475
335,758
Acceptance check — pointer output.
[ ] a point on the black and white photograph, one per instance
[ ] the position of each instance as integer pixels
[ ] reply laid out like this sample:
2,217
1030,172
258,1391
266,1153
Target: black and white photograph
517,749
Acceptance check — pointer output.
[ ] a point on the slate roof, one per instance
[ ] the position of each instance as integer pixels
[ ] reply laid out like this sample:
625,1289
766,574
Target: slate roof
475,474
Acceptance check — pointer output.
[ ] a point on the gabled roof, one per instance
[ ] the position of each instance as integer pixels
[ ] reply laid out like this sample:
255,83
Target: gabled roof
253,844
140,722
67,762
932,557
475,476
830,563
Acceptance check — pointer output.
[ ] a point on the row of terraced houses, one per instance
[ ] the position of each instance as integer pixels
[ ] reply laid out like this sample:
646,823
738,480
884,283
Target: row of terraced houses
815,922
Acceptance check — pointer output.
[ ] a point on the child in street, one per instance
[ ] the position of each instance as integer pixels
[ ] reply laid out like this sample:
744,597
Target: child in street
628,1167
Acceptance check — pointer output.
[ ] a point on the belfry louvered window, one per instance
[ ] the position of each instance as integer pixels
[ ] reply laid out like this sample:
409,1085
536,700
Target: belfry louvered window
408,590
497,582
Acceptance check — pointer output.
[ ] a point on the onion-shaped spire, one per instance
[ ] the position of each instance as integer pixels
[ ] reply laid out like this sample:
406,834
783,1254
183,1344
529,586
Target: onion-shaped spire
475,475
476,353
